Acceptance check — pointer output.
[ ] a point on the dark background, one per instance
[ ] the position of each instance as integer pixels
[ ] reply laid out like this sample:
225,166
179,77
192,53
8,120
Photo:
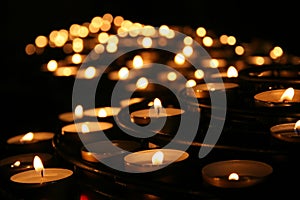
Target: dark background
26,101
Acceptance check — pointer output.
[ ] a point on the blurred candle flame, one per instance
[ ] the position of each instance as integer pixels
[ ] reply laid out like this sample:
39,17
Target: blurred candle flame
85,128
27,137
287,95
142,83
78,111
102,112
157,158
297,127
123,73
138,62
233,176
232,72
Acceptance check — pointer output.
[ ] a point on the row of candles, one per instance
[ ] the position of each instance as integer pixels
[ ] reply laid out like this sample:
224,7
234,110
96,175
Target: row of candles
229,57
139,161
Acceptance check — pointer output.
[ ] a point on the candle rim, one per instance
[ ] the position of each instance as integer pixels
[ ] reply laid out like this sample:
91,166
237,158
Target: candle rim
36,138
214,169
130,158
15,178
139,113
270,93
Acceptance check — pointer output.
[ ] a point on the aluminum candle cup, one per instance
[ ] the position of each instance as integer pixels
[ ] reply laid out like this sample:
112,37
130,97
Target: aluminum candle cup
96,151
152,160
288,132
152,116
19,163
278,98
30,142
84,132
236,173
202,91
56,183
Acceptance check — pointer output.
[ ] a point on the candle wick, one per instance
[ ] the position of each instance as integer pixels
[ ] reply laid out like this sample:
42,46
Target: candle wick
42,173
157,110
297,131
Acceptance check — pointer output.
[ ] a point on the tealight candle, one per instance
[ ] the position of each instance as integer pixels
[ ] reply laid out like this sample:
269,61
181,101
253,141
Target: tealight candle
96,151
278,97
103,112
50,183
154,159
289,132
203,90
18,163
236,173
31,142
84,132
156,114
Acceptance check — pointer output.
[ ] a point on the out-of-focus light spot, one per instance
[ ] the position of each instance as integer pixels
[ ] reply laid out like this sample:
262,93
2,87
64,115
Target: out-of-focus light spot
147,42
30,49
171,76
118,20
276,52
188,40
201,32
137,62
108,17
52,65
207,41
103,37
76,58
190,83
99,48
142,83
41,41
111,47
231,40
179,59
77,45
90,72
239,50
105,26
187,51
163,30
223,39
199,74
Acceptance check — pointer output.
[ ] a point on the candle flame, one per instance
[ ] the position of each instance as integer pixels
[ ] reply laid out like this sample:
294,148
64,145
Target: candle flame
123,73
232,72
157,158
85,128
179,59
233,176
102,112
297,127
138,62
287,95
142,83
90,72
38,165
27,137
78,111
157,105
